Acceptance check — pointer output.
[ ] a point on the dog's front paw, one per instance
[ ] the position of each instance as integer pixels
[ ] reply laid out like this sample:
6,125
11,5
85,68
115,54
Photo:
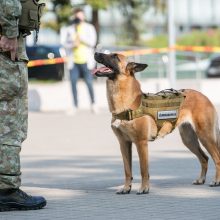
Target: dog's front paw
124,190
142,190
214,184
198,182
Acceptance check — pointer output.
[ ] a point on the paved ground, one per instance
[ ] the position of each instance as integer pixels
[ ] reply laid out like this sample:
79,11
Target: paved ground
75,162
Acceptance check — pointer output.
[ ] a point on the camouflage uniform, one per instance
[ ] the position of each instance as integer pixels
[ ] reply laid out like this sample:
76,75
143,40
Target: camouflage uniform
13,98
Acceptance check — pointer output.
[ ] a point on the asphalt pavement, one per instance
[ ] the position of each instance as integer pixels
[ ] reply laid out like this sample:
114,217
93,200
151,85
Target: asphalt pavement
75,162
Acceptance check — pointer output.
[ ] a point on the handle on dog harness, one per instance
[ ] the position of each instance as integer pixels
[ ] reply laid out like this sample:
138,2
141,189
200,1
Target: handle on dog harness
165,91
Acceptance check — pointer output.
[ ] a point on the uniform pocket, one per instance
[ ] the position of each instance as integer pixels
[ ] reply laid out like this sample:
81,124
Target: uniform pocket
12,9
10,78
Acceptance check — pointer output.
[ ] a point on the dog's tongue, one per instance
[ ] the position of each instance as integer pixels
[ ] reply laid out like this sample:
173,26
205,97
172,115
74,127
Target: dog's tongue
101,70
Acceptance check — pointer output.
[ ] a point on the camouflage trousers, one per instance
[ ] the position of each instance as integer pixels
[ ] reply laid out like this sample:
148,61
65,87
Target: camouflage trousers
13,119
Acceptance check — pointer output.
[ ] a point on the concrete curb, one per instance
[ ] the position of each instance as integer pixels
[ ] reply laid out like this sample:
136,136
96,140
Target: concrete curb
58,96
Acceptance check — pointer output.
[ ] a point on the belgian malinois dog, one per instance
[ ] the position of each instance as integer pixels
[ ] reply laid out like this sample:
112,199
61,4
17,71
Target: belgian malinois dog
197,121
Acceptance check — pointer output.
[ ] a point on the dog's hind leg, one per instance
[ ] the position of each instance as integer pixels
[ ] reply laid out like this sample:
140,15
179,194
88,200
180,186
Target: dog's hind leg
210,142
126,151
190,140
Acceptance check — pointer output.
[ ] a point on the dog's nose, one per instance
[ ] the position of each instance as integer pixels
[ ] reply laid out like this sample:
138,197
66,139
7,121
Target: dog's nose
97,56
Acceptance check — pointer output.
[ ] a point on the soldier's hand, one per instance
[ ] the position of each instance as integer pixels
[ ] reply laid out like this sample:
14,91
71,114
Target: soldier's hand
9,44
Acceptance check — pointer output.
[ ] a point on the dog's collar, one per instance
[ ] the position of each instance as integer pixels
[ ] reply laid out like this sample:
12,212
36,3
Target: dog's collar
129,114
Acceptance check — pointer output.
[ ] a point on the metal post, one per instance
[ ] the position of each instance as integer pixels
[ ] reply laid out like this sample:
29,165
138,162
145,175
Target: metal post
198,70
172,42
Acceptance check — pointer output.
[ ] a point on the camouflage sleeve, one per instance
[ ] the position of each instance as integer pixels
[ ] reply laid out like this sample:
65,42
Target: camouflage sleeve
10,10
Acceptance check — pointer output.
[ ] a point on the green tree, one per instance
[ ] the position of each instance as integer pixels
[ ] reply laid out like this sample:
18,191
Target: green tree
133,11
96,6
161,6
63,11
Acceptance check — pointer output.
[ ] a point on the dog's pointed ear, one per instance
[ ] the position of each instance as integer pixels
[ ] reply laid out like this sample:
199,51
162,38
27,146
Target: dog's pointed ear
136,67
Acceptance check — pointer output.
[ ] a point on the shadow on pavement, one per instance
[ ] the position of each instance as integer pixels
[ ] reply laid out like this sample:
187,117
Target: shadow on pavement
102,173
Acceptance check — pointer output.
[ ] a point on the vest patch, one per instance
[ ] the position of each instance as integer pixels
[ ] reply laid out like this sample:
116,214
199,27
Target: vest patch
167,114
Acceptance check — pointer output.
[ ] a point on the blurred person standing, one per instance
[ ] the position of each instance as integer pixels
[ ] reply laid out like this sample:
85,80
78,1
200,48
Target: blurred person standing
79,42
14,103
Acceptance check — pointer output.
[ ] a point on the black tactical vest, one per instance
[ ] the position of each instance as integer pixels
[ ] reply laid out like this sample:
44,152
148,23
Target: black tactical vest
30,17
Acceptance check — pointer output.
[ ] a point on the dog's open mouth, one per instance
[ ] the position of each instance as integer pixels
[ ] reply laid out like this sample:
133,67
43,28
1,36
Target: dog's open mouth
102,71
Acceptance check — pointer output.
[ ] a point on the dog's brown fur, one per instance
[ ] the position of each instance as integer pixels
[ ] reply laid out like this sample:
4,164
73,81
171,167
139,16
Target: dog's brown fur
197,121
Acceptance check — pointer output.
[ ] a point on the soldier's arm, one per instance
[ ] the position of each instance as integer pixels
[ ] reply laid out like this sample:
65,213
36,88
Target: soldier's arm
9,13
10,10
